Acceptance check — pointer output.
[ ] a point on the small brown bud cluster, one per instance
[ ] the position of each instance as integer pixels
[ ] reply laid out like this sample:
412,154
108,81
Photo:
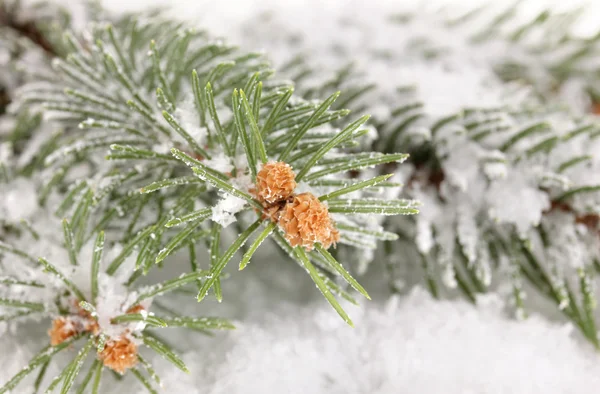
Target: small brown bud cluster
62,329
303,218
118,354
305,221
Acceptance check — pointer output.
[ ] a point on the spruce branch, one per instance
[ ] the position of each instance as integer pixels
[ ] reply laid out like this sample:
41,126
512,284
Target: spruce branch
114,349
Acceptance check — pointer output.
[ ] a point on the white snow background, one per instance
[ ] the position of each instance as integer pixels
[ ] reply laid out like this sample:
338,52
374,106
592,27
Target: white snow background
288,339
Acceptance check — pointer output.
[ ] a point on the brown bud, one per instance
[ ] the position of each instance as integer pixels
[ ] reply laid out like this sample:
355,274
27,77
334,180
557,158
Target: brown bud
119,354
275,182
62,329
305,221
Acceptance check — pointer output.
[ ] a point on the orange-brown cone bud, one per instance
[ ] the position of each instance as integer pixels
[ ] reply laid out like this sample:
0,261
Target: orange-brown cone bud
275,182
62,329
305,221
119,355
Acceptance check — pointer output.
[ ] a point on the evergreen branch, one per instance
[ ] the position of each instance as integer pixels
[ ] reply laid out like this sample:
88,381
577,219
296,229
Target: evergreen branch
80,217
347,182
67,201
200,103
256,103
573,162
40,377
332,286
164,86
55,382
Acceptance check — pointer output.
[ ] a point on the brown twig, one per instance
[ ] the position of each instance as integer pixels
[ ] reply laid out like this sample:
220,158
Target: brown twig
27,29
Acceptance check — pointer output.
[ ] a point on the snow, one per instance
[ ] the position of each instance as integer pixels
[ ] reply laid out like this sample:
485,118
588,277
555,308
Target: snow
223,212
225,209
515,199
219,162
188,116
18,200
408,344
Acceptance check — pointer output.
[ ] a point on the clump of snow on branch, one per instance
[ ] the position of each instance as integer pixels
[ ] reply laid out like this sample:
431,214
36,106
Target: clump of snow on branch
228,205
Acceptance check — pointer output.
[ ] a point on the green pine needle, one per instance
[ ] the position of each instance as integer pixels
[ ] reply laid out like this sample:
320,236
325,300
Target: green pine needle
68,283
68,235
312,271
355,187
147,318
310,122
162,349
96,259
33,306
340,270
257,242
215,271
74,367
169,285
40,359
